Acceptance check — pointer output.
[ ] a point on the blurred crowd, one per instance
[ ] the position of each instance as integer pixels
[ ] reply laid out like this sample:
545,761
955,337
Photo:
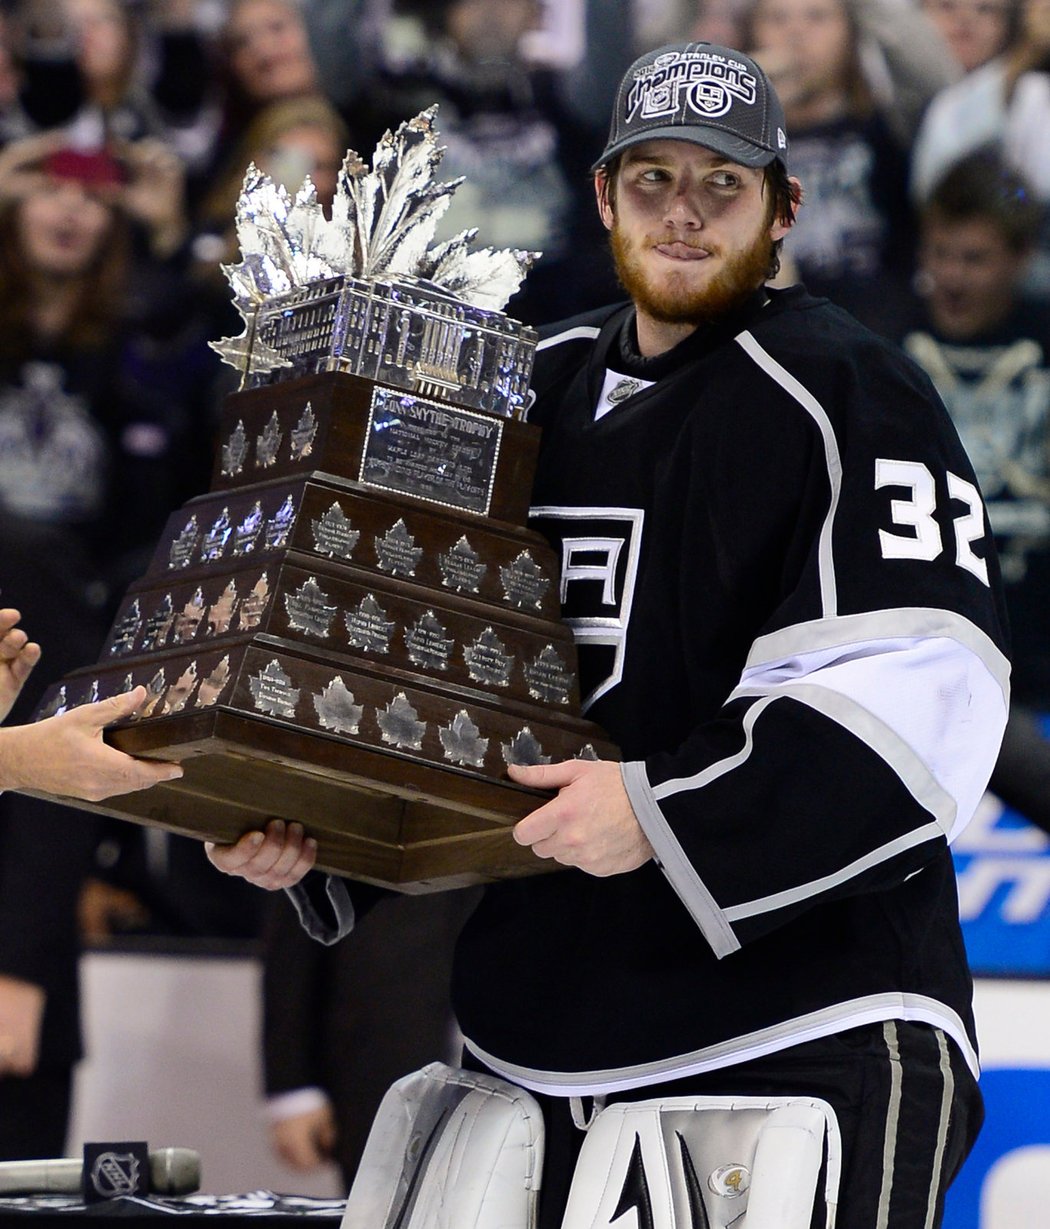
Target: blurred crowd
920,130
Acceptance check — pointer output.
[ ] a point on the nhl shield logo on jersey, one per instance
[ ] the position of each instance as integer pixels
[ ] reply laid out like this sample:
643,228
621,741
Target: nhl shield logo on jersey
681,81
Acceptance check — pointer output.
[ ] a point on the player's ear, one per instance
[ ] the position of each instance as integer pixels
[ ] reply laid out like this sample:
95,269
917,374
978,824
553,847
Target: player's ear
602,194
781,227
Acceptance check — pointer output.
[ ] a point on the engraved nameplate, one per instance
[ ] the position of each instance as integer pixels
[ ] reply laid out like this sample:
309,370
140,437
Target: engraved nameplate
436,452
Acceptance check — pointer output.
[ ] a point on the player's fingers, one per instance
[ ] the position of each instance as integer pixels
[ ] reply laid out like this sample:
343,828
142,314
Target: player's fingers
545,776
134,774
233,859
12,641
540,825
22,666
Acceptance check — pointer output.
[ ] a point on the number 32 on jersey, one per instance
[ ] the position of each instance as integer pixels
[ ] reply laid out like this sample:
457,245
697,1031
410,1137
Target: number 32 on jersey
921,537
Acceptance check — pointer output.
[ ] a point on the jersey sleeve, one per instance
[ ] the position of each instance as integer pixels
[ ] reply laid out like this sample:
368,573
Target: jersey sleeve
866,721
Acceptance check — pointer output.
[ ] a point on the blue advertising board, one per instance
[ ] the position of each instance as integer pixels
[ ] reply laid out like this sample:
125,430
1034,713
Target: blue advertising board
1003,866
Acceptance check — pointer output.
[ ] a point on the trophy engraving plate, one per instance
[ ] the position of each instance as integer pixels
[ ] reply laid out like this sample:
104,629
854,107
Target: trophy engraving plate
435,452
235,452
397,551
461,568
337,709
368,627
303,434
189,618
400,725
524,748
247,532
524,583
215,539
251,612
429,644
268,444
184,547
155,690
461,741
220,614
280,524
213,686
488,660
179,692
309,609
273,692
158,625
548,677
334,534
126,630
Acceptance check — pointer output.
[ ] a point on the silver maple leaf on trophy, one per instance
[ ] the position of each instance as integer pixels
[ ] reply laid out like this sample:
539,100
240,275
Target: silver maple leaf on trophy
368,292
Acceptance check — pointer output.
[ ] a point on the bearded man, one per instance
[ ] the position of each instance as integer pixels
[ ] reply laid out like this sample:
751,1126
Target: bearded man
778,569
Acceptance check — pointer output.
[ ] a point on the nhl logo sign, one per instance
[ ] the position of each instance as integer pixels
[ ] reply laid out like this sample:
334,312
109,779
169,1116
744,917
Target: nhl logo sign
115,1170
114,1174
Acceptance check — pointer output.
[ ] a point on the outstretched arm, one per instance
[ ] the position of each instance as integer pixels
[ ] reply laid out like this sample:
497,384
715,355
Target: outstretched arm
66,754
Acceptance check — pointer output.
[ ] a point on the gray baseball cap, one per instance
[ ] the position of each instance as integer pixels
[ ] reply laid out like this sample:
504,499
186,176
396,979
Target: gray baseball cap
702,93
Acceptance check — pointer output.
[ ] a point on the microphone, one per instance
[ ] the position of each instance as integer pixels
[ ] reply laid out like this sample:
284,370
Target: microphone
172,1171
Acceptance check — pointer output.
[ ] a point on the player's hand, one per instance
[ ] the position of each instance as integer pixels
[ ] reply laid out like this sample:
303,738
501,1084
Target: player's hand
66,754
21,1013
274,859
18,656
305,1141
590,825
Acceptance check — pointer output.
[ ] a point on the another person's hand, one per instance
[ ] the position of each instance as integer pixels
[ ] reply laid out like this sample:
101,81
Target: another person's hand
305,1141
18,656
274,859
21,163
66,754
21,1014
590,824
154,195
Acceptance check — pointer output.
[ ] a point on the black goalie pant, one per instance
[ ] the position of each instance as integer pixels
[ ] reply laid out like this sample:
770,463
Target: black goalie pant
908,1109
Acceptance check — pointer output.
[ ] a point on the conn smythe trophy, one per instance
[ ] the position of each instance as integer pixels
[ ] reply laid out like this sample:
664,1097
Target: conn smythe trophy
353,629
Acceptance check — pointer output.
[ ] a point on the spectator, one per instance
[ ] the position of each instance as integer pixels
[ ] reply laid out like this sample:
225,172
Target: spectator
974,31
84,66
288,140
1005,103
986,346
852,241
265,58
506,129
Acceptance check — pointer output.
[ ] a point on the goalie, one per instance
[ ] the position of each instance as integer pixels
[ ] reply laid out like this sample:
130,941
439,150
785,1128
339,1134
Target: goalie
777,565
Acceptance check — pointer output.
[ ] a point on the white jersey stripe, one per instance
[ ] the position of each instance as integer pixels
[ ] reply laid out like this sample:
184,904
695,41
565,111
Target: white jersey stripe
792,386
837,1018
581,331
915,622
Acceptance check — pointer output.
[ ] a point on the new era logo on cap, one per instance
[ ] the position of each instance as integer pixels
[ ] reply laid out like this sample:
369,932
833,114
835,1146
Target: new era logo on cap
699,92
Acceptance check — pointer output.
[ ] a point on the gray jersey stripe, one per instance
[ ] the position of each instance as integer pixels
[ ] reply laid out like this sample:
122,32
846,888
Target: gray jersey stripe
794,388
947,1096
893,1110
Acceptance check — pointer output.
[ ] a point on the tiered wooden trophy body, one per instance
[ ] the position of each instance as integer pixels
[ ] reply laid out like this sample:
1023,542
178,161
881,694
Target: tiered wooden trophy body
353,629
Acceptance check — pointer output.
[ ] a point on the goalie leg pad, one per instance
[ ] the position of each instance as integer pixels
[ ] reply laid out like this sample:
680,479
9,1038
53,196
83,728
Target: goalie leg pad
708,1162
450,1149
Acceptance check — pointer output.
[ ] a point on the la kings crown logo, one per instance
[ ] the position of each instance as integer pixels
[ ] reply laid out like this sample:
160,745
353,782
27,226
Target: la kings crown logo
704,83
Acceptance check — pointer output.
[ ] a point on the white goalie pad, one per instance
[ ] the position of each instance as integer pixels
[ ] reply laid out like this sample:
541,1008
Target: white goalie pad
706,1163
450,1149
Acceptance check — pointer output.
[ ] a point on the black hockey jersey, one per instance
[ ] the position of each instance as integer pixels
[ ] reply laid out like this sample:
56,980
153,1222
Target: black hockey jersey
777,566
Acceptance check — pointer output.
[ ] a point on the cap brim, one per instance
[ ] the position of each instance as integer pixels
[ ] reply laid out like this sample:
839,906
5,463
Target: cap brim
745,153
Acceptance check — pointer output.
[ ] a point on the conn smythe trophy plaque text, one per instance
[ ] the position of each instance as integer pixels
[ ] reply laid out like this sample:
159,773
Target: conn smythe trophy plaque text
353,629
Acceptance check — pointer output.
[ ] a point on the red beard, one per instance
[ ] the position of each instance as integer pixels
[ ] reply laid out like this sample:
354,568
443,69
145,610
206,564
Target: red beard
674,301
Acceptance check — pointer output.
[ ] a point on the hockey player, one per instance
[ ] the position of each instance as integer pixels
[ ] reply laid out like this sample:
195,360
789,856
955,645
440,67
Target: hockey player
778,568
